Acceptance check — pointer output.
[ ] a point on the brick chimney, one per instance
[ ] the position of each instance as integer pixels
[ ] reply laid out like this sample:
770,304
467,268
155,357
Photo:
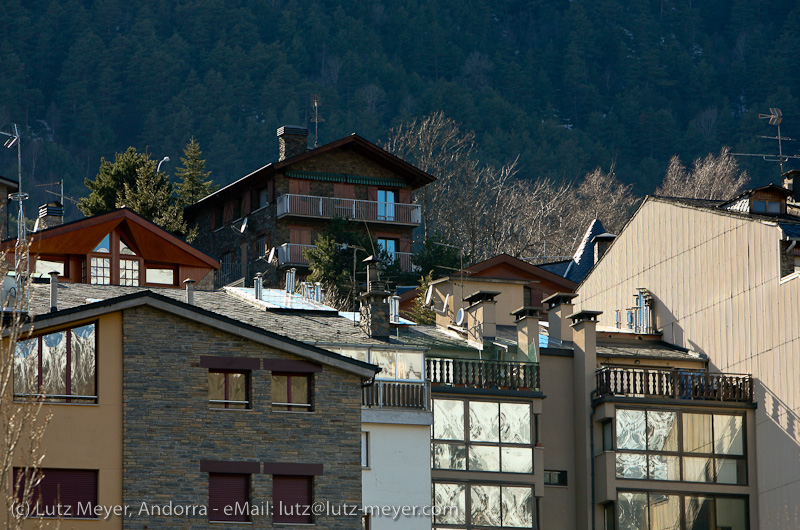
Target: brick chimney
481,318
601,243
374,318
292,141
558,306
527,320
50,215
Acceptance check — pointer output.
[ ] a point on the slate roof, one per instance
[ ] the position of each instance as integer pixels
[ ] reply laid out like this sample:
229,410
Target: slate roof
644,349
583,260
789,223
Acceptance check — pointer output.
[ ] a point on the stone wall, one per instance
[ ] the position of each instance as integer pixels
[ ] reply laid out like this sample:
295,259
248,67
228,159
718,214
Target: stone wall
169,428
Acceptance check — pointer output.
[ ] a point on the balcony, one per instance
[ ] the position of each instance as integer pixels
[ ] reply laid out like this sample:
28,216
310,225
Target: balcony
390,394
674,384
395,213
471,373
291,255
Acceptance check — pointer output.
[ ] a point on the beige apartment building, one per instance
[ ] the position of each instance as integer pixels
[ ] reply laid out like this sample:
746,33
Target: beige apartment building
720,278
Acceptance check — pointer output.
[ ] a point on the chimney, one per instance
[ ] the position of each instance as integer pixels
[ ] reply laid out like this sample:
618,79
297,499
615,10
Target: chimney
189,290
290,274
394,310
601,243
258,287
559,305
292,141
527,320
50,215
481,321
53,291
792,183
318,292
374,306
584,359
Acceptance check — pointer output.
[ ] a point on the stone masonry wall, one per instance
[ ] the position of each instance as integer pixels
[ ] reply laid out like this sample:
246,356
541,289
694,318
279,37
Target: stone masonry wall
169,428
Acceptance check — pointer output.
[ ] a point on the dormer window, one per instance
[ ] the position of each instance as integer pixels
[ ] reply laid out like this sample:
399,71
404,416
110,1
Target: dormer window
773,207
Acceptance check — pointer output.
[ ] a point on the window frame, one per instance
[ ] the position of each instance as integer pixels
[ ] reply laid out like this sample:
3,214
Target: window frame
248,402
682,495
66,398
468,523
386,207
562,477
365,450
308,406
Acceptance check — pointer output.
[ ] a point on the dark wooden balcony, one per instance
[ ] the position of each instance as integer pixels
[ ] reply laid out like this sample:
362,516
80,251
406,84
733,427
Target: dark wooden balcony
290,205
391,394
674,384
475,373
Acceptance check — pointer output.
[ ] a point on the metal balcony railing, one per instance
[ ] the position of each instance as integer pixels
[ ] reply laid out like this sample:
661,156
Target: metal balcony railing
674,384
483,374
356,210
391,394
292,254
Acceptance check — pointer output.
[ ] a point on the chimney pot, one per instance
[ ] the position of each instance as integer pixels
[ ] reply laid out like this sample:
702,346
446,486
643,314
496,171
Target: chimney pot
53,291
189,290
292,141
527,321
601,243
559,305
50,215
258,286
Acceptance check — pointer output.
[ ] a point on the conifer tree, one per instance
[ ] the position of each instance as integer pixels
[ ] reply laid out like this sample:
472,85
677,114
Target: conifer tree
194,184
151,197
111,180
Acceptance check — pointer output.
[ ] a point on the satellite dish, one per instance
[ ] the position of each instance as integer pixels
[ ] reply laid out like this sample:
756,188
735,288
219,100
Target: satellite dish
446,304
244,225
429,296
271,255
461,316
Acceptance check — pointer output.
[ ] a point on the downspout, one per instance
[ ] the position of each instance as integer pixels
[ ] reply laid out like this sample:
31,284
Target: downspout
591,450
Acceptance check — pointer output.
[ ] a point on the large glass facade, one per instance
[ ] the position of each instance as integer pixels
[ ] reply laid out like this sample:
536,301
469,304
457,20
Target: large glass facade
489,436
482,505
680,446
674,511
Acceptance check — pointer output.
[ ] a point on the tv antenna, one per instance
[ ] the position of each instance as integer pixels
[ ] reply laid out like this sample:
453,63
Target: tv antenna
316,120
775,117
21,262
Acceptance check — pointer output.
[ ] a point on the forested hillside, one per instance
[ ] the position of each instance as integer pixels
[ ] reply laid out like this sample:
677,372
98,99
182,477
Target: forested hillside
567,85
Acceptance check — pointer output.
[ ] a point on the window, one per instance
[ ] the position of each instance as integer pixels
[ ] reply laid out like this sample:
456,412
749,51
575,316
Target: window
291,499
386,200
397,365
59,367
773,207
555,478
229,389
160,275
217,217
104,247
261,246
291,392
128,272
662,511
226,267
365,449
261,198
389,246
668,445
482,436
46,266
65,493
225,492
100,270
473,505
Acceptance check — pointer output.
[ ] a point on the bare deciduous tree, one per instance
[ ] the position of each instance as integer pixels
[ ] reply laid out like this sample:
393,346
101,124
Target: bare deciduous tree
713,177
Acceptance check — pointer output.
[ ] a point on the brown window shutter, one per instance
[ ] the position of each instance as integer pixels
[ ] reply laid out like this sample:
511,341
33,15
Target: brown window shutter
66,487
344,191
404,196
299,187
405,245
227,489
372,193
287,492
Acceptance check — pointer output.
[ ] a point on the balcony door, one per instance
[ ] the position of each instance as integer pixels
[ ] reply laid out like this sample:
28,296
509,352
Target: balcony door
386,200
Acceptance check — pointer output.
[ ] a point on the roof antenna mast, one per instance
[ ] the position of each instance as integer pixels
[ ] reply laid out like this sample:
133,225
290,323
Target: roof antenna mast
21,247
775,117
316,119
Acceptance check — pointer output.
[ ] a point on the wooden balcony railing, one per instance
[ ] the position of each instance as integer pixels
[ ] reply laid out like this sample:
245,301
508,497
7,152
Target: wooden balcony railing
674,384
483,374
390,394
353,209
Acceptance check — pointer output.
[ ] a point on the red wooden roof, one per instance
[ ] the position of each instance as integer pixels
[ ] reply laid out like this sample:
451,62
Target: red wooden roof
149,240
506,266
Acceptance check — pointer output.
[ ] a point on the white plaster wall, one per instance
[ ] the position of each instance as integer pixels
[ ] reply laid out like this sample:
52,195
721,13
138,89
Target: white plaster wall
399,472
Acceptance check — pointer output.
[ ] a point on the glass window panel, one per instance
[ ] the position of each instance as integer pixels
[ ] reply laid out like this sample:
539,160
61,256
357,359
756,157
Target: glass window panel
665,512
364,449
125,249
26,367
409,366
662,431
280,389
630,465
773,207
515,423
731,513
449,456
105,245
237,390
44,266
698,469
128,272
54,363
300,389
731,471
387,361
448,419
484,421
517,506
449,500
697,433
631,429
485,509
483,458
160,276
699,513
664,467
216,388
728,435
100,271
517,460
632,509
361,355
83,361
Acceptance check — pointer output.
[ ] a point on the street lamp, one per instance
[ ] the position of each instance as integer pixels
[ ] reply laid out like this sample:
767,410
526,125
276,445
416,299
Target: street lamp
165,159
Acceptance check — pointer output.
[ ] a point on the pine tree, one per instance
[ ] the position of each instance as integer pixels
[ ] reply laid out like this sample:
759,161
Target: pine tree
151,197
194,184
111,181
420,313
